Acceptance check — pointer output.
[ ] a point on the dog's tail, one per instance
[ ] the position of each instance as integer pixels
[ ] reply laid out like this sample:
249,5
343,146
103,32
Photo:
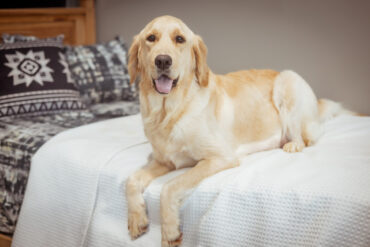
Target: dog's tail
329,109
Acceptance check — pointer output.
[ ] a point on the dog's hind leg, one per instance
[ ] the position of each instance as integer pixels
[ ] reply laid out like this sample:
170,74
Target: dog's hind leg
298,111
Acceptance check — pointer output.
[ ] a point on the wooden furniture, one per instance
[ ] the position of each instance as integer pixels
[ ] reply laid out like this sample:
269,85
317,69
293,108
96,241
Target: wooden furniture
77,25
5,241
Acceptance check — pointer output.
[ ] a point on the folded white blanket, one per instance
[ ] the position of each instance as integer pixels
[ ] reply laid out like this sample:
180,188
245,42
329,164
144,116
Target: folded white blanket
320,197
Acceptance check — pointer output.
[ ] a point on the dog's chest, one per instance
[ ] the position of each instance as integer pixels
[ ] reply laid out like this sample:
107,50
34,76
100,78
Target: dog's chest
175,146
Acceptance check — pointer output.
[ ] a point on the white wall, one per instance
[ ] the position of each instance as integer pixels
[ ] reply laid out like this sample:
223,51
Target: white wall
327,41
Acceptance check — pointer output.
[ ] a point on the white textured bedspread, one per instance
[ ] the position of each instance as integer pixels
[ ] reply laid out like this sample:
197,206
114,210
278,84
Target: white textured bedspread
320,197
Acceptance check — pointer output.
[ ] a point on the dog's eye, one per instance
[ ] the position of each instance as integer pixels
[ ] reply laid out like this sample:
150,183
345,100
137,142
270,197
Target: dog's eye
151,38
180,39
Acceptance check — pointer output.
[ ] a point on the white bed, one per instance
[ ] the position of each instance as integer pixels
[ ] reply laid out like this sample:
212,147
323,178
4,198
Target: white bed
320,197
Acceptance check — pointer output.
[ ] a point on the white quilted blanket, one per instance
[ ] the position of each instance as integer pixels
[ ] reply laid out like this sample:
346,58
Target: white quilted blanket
320,197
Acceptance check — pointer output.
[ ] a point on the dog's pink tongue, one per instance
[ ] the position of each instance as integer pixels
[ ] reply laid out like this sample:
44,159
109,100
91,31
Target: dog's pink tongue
163,84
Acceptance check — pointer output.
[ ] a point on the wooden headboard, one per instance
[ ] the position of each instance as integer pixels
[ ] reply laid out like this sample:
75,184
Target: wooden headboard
77,24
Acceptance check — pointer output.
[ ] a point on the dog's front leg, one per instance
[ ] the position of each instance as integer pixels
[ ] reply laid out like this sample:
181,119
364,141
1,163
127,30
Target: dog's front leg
135,185
174,191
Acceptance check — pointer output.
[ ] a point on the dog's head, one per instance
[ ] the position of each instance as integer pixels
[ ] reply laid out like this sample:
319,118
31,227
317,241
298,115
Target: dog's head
166,53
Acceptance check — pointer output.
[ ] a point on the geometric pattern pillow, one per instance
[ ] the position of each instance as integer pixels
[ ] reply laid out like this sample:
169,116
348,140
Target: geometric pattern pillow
35,80
100,72
13,38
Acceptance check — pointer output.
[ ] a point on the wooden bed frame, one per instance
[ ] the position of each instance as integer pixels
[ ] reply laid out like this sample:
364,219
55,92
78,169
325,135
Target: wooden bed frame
77,25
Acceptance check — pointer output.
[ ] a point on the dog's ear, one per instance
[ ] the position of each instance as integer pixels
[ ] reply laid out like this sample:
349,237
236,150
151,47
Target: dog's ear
133,61
201,67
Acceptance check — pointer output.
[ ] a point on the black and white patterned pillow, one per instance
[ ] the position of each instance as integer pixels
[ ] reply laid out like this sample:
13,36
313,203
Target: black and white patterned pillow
100,72
13,38
35,80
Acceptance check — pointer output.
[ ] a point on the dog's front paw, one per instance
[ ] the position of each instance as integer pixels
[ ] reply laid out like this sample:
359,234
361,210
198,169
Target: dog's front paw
292,147
137,224
171,237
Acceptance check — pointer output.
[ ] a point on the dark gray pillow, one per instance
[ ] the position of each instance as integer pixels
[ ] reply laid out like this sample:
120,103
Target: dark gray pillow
35,80
13,38
100,72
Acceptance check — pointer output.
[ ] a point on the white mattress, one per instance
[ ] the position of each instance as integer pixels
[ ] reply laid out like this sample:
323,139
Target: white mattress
320,197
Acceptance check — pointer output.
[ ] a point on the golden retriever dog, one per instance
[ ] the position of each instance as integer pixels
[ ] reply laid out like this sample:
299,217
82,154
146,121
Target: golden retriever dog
195,118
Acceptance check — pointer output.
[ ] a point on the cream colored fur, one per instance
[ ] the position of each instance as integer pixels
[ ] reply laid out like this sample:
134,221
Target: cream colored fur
208,121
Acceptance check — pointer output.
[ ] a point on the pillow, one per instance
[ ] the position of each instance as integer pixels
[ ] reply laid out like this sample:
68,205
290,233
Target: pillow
115,109
13,38
35,80
100,72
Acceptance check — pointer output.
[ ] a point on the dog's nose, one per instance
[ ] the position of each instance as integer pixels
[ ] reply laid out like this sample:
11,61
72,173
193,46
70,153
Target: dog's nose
163,62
